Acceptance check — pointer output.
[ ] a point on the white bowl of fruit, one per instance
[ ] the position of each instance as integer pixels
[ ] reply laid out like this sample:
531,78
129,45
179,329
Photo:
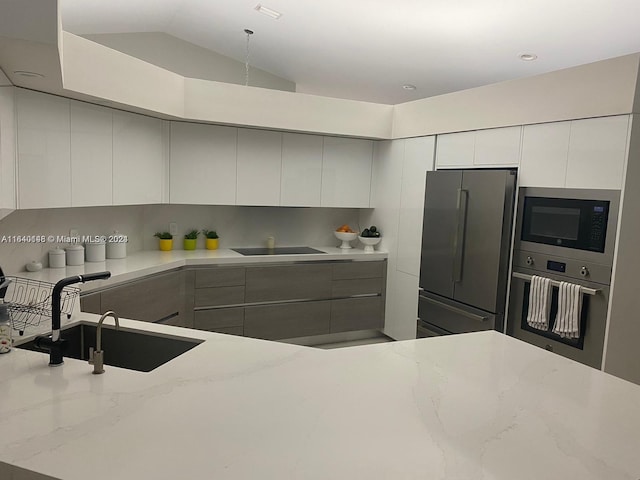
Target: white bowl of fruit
369,238
345,235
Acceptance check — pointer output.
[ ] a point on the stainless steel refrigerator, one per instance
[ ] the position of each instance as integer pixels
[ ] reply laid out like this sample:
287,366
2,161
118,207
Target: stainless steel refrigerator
466,240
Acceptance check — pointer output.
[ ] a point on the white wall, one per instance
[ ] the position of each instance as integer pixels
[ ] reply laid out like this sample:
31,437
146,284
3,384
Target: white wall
7,151
593,90
622,357
237,226
85,70
4,81
187,59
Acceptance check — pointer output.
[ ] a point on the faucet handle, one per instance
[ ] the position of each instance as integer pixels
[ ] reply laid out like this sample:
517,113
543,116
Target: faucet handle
91,355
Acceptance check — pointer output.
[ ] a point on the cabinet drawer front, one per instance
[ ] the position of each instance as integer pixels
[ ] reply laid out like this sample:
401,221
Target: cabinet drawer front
348,270
229,331
220,277
174,320
90,303
288,282
214,320
149,299
216,296
274,322
361,286
356,314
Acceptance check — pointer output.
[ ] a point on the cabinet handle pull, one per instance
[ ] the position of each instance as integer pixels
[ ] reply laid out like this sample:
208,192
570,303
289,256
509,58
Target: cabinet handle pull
458,243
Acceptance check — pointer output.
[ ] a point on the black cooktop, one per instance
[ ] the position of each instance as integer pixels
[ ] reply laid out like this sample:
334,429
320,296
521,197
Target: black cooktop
276,251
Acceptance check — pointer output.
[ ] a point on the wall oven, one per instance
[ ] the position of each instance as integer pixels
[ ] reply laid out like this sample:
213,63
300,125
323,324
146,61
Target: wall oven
565,235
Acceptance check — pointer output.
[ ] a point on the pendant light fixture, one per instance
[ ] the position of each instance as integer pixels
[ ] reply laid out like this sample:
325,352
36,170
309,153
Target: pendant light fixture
246,58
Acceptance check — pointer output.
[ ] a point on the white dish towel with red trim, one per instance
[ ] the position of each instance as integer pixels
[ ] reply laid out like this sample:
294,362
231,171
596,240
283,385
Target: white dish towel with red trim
539,302
569,310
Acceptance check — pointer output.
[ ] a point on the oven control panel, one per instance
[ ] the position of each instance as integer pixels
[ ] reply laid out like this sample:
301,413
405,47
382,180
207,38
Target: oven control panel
542,264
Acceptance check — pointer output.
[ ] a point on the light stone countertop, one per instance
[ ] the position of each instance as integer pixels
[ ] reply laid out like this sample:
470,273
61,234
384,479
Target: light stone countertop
473,406
140,264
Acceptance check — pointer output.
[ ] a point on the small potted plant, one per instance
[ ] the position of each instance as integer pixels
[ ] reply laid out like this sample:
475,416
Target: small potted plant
166,241
190,240
212,239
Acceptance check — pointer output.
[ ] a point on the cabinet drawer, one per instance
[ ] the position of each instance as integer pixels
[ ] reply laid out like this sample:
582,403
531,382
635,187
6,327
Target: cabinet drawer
349,270
216,319
229,331
149,299
288,282
90,303
220,277
356,314
360,286
290,320
174,320
217,296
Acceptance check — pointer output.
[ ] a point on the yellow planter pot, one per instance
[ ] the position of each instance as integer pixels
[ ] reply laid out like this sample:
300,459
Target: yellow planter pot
166,244
190,243
212,243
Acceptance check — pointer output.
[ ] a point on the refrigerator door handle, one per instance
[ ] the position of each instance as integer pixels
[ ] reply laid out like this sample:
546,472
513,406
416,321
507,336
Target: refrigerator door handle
458,243
457,310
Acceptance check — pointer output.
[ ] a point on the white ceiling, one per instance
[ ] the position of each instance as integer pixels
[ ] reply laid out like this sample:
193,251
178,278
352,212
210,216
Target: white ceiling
367,49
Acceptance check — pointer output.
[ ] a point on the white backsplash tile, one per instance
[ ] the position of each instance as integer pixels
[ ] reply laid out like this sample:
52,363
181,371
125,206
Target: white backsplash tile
236,226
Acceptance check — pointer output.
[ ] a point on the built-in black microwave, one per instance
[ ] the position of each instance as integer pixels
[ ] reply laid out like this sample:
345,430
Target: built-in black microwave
566,222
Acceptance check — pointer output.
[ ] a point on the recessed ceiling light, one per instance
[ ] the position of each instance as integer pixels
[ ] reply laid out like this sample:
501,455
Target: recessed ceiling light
24,73
528,57
408,86
267,11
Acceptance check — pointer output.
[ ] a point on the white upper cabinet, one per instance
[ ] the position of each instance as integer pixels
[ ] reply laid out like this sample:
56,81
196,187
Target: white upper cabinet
498,147
202,164
597,152
259,167
301,170
495,147
588,153
545,150
346,172
91,155
455,150
418,160
138,159
44,166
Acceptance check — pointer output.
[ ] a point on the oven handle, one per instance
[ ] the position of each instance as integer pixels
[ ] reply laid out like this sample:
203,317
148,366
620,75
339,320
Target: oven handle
458,243
453,309
555,283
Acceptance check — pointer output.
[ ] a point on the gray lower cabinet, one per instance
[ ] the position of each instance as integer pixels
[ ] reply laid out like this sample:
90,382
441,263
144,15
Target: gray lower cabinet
220,320
288,282
218,296
287,320
158,299
262,301
349,314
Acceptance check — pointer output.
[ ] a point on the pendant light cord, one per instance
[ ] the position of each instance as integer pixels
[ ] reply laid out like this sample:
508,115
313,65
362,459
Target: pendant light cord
246,59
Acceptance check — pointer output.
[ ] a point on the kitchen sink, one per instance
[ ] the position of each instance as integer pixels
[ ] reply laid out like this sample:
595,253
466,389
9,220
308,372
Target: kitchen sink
134,350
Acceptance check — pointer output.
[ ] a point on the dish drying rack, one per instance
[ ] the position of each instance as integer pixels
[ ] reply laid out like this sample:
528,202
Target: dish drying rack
29,301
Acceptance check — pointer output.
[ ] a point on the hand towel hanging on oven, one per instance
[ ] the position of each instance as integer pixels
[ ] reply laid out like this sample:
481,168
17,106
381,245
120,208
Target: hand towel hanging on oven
539,302
567,323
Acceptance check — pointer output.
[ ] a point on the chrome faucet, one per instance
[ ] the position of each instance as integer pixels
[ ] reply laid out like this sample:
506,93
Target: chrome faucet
96,357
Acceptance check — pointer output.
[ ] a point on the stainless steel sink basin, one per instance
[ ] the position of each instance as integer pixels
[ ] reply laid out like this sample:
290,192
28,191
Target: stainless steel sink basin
134,350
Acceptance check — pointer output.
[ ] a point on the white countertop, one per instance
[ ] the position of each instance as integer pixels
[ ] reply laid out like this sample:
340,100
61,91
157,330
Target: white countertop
139,264
474,406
